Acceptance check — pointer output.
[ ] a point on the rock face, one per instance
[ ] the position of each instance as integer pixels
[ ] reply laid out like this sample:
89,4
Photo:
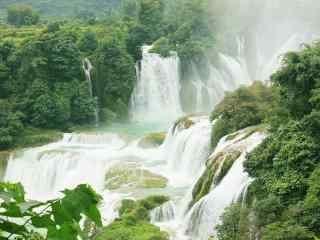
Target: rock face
132,176
152,140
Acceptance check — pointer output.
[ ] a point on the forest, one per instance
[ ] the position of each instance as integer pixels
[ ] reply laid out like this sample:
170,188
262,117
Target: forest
69,66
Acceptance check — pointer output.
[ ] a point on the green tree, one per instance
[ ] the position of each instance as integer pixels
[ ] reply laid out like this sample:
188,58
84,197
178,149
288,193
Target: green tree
82,105
151,18
20,15
297,80
115,75
88,42
245,107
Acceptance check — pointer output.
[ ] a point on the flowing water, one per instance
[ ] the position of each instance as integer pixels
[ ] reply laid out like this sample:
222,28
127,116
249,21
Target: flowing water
157,92
87,68
96,158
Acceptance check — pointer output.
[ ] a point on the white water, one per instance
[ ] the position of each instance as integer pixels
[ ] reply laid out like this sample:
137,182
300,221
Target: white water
164,213
87,68
86,158
157,92
186,151
205,214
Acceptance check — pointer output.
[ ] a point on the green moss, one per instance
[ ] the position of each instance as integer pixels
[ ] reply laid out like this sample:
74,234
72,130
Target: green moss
152,140
204,183
154,201
227,164
139,210
121,230
184,122
132,176
133,222
210,176
232,136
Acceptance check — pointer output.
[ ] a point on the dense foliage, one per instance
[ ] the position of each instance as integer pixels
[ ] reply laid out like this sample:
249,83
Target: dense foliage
284,199
60,218
42,81
70,8
245,107
42,85
133,223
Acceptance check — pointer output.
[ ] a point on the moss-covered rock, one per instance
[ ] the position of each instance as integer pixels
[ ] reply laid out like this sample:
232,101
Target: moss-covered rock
184,123
139,210
226,165
132,176
152,140
217,168
187,121
133,221
205,182
121,230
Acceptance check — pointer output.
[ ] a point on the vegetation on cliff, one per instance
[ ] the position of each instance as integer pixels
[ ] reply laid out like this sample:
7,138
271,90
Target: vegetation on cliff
283,201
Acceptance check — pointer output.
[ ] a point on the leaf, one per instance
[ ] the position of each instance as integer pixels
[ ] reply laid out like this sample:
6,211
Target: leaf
12,228
11,210
67,231
43,221
14,191
60,214
94,214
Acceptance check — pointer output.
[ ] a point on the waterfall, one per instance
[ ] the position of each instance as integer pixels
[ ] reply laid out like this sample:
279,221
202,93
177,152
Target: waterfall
157,92
187,149
205,214
227,74
87,68
163,213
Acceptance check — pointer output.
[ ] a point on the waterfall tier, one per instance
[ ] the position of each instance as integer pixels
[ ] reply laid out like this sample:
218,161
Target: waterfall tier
205,214
157,92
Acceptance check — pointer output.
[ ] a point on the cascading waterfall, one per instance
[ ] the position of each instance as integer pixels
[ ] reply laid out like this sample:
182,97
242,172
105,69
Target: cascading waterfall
184,145
205,214
87,157
157,92
232,71
227,75
87,68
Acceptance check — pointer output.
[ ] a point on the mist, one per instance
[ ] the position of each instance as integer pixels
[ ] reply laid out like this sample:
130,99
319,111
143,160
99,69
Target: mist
267,29
252,37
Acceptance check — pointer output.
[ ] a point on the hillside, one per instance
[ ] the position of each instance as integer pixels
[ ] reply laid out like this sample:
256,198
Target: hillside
62,8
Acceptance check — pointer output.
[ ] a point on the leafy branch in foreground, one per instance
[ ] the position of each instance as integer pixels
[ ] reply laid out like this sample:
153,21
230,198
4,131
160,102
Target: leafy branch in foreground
22,219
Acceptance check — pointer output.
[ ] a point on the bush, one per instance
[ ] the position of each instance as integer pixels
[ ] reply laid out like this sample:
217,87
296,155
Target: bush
286,231
245,107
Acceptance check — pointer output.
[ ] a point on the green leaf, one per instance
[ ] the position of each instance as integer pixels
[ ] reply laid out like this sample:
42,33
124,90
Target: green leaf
11,210
12,228
14,191
67,231
43,221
